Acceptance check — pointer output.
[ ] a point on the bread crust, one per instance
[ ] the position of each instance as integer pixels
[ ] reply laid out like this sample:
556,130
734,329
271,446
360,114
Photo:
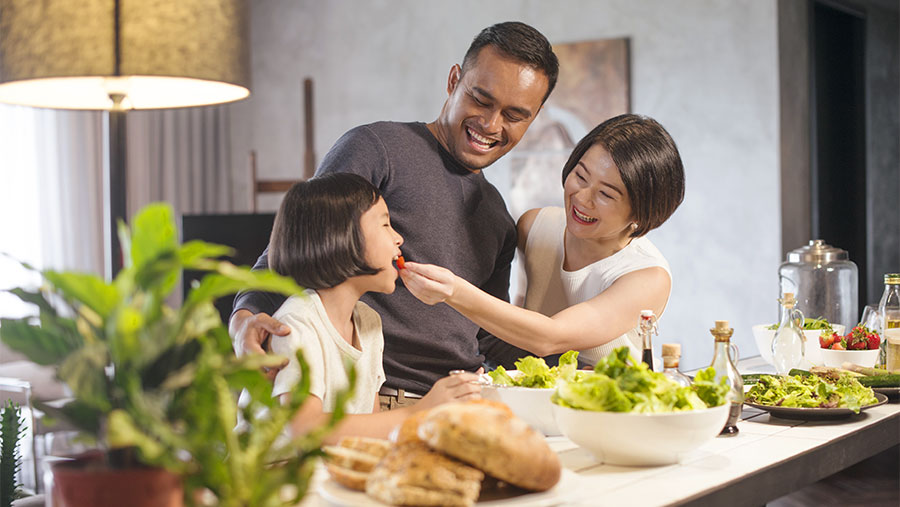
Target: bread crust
346,477
413,474
374,446
493,441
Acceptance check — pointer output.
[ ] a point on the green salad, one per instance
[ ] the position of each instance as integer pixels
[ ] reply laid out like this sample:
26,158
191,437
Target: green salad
619,383
809,324
811,391
534,372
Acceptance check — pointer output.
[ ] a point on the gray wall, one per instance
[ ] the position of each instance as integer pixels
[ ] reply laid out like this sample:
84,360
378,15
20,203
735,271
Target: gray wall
706,69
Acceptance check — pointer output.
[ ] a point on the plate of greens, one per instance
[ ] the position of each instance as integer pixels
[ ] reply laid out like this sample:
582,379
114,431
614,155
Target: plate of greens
811,397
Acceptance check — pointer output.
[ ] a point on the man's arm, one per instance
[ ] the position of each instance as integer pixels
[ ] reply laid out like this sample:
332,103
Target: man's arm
251,322
255,301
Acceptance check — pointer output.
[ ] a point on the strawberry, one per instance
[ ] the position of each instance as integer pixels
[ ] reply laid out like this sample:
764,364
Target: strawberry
858,344
826,340
838,345
873,341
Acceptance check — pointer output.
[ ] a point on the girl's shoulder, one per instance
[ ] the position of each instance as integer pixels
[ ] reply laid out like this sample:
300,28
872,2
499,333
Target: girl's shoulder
299,308
366,317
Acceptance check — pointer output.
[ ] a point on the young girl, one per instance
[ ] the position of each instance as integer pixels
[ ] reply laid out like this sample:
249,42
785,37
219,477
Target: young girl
589,268
333,235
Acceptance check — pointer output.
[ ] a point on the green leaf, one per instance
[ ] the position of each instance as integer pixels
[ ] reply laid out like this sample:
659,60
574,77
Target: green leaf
123,432
192,252
170,361
84,372
86,289
124,343
230,279
39,345
76,412
153,234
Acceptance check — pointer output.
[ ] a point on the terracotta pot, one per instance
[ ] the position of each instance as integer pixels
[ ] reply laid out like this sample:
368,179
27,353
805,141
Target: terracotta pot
87,481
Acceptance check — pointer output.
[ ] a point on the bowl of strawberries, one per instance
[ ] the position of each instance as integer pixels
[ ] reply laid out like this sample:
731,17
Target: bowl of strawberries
859,346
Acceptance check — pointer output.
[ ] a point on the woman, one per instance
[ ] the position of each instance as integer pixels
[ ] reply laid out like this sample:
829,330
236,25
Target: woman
590,268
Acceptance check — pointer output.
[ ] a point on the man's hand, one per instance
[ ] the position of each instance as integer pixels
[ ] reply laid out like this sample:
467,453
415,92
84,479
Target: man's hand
249,331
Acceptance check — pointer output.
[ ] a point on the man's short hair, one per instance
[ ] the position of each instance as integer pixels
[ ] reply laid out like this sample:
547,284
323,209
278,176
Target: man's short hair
520,42
648,162
316,238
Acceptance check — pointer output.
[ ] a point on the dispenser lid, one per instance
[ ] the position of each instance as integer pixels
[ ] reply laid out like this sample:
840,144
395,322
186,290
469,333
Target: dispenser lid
817,252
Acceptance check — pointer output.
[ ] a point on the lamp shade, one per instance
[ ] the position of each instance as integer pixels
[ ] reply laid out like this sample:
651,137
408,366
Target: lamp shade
149,54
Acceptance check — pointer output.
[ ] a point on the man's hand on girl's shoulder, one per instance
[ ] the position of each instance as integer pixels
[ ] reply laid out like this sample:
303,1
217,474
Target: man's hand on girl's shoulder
250,335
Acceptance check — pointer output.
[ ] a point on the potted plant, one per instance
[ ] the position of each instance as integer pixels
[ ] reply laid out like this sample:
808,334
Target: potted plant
12,428
155,386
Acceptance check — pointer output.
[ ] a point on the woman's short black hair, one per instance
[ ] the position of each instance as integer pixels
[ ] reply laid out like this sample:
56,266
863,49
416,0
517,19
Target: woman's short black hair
316,239
648,162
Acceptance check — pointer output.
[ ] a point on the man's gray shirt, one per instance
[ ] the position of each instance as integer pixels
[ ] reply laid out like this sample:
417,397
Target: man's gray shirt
448,216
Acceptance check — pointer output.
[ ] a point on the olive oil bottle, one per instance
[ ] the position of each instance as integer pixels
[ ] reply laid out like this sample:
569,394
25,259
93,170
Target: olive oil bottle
724,364
889,311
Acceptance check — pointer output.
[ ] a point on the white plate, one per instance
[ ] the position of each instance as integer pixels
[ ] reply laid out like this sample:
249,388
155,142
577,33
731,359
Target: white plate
566,490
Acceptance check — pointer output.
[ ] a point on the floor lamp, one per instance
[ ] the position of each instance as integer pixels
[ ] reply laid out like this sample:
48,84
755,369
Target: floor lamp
118,55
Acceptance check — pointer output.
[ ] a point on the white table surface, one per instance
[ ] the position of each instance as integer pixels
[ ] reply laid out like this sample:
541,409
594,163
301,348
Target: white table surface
768,458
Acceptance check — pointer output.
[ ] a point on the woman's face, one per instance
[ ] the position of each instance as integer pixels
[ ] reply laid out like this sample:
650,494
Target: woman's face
382,246
597,204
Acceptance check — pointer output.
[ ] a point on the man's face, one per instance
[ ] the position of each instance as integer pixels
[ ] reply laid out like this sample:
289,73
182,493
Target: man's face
489,108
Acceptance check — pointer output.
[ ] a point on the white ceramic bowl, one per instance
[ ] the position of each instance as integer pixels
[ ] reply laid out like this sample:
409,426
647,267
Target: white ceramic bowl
529,404
764,337
633,439
835,358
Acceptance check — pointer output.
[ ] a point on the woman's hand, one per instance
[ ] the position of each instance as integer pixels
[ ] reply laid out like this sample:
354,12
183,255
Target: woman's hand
456,387
431,284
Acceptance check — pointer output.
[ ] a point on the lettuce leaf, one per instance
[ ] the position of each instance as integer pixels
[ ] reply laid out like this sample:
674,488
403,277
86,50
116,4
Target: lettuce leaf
534,372
619,383
811,391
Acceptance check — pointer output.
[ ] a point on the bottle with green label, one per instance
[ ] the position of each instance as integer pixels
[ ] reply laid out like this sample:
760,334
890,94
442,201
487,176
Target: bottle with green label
889,311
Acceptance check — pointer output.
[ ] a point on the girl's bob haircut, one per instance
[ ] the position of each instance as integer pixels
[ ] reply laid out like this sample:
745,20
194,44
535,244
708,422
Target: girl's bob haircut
316,239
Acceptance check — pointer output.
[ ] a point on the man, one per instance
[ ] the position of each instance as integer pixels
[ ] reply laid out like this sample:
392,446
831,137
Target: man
447,212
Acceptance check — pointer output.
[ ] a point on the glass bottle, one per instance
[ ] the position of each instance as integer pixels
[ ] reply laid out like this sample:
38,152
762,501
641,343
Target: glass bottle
725,367
788,345
647,326
889,311
671,353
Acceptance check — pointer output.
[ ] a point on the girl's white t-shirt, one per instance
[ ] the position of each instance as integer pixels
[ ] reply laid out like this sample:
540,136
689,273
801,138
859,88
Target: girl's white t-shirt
552,289
327,352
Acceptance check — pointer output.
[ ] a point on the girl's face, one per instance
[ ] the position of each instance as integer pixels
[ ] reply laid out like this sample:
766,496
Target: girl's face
597,204
382,246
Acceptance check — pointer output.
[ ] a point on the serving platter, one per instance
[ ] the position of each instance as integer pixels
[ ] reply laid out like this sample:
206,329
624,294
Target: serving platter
890,392
566,490
809,414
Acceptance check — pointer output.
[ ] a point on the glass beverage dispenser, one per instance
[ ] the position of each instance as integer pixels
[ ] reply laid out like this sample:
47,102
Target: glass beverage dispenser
825,281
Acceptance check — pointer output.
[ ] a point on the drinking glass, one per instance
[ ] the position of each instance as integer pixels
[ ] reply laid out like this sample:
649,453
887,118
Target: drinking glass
871,318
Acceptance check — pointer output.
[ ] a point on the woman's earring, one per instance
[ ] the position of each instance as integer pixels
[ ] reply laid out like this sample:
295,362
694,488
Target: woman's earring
634,225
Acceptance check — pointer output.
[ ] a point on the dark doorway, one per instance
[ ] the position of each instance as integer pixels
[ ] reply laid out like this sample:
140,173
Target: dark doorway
838,132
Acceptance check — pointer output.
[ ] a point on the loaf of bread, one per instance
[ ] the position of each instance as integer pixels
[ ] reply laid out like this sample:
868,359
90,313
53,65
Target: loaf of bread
413,474
494,441
350,462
